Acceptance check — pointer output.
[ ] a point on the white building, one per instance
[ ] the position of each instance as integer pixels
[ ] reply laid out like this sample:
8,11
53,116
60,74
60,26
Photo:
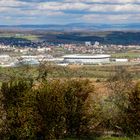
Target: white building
121,60
88,43
42,50
4,58
87,59
96,43
6,61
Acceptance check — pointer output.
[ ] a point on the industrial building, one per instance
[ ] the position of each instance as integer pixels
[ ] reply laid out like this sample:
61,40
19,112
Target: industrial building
4,59
87,59
37,59
121,60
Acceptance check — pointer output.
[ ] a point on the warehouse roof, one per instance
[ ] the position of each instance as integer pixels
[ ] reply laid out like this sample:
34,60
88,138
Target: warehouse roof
79,56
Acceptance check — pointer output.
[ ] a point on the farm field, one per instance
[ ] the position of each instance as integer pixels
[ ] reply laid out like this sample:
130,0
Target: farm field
94,72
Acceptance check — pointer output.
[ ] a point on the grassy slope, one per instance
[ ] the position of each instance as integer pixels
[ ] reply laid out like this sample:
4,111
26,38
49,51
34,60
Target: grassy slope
107,138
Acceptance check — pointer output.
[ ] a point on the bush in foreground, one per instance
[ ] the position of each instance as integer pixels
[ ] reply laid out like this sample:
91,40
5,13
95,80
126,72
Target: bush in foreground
52,111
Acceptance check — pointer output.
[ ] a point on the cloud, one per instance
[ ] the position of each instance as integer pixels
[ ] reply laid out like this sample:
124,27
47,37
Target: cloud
107,1
126,18
65,11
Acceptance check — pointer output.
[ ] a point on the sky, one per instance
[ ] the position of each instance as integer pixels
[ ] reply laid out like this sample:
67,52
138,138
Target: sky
15,12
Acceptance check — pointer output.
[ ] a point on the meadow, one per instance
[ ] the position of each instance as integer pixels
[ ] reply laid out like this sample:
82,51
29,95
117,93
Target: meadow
102,72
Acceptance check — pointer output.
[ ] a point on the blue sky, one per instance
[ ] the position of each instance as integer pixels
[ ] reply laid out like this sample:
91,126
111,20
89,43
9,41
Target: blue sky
69,11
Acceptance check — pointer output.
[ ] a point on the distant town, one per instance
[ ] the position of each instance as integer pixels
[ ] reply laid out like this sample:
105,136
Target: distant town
65,54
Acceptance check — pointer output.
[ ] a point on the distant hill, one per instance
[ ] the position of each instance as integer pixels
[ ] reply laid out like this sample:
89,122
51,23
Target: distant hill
104,37
77,27
23,34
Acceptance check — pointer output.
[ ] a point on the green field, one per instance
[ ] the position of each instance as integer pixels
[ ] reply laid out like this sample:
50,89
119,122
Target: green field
126,55
28,37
